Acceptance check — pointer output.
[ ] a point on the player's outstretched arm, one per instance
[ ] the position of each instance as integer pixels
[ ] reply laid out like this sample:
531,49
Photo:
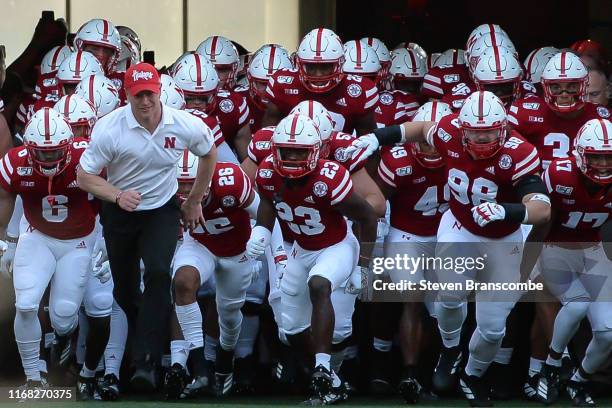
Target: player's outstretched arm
533,247
261,234
367,188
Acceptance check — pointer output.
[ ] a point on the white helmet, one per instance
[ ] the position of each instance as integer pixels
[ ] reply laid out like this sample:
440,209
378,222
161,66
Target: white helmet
319,115
187,167
482,111
78,65
223,55
129,55
564,67
100,92
498,71
482,30
420,51
384,56
361,59
432,59
320,46
295,132
171,95
265,62
53,59
406,65
79,112
432,112
452,56
47,137
595,137
125,31
486,41
197,77
536,61
102,33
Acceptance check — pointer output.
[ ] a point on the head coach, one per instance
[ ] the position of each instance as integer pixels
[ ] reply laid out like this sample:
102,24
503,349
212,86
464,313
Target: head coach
139,145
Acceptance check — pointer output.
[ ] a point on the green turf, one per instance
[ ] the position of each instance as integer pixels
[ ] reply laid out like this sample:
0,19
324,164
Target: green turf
278,402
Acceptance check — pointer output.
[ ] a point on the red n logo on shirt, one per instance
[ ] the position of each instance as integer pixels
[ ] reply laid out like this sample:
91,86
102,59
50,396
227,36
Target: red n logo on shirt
170,142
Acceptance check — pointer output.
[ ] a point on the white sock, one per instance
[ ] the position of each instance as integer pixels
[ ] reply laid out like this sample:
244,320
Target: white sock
504,355
248,335
553,362
49,337
382,345
535,366
179,352
190,320
476,367
323,359
42,366
579,378
86,372
210,348
113,354
27,335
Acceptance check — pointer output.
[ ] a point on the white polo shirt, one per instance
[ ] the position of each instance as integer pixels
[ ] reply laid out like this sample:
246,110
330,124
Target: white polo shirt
138,160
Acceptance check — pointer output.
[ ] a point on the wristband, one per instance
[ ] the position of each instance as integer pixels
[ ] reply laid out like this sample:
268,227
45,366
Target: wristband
117,197
389,135
12,240
515,212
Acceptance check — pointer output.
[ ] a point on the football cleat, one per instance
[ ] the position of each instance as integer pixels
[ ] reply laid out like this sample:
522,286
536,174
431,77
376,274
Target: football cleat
198,386
175,381
108,388
530,388
475,389
320,382
447,369
32,385
61,351
579,394
548,384
85,388
245,375
224,372
380,383
410,389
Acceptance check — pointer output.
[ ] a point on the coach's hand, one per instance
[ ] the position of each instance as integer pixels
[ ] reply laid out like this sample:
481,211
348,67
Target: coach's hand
128,200
192,214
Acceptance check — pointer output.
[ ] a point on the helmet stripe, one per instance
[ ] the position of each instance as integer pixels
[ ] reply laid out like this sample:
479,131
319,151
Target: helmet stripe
413,61
92,80
480,105
358,49
271,60
434,108
67,106
77,68
293,127
530,60
54,58
198,69
455,56
213,48
318,46
493,36
105,30
370,41
498,74
185,160
311,109
605,132
46,122
563,54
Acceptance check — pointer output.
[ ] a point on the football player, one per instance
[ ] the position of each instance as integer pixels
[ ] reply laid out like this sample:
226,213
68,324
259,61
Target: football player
56,242
349,99
493,177
573,262
311,197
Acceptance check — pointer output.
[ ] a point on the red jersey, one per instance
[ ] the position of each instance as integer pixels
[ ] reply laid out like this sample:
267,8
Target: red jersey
473,182
579,213
353,98
448,83
231,112
395,107
256,113
308,209
421,194
551,134
60,210
228,226
211,122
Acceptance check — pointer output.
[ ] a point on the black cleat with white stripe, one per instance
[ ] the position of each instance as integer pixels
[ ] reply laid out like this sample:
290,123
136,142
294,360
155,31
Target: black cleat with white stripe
61,351
579,394
530,387
548,384
476,390
446,371
224,372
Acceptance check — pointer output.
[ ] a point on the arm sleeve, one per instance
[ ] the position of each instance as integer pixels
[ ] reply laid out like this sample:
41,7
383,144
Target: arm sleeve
99,153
